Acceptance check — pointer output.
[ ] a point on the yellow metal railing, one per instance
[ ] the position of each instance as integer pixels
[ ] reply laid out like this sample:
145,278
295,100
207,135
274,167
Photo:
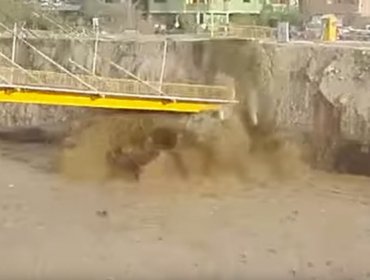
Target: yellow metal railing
244,31
251,31
33,78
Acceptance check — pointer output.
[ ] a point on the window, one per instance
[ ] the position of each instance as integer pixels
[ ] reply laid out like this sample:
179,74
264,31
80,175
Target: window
196,1
285,2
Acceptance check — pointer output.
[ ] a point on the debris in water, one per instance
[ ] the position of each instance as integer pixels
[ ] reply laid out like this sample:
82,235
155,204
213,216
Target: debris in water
272,251
243,257
102,213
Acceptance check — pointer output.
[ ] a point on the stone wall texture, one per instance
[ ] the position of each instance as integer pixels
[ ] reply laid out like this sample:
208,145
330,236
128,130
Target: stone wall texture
278,83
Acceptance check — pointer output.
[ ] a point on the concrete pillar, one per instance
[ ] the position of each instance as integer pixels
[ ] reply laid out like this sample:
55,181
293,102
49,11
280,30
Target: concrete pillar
283,32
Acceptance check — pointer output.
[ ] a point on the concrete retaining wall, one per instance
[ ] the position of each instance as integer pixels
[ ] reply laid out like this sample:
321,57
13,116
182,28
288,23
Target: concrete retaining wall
276,82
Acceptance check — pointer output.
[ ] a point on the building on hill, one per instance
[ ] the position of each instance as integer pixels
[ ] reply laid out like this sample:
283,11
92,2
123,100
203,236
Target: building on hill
201,11
350,11
196,6
222,9
339,7
61,5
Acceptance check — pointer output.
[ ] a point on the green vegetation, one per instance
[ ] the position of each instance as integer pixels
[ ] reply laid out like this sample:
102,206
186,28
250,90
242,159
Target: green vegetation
15,11
270,17
244,19
25,14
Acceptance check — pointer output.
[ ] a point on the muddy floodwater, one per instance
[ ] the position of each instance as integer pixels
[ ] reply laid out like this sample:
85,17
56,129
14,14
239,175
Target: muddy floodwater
314,226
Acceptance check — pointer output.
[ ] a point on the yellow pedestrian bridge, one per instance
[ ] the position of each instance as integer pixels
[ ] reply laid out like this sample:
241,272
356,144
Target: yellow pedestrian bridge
18,85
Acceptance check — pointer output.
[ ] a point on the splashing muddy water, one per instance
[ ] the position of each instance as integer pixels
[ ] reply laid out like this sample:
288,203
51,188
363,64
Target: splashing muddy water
152,147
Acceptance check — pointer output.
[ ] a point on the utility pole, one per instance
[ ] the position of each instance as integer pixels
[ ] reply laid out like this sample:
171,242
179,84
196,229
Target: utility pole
164,61
129,16
14,45
96,45
131,8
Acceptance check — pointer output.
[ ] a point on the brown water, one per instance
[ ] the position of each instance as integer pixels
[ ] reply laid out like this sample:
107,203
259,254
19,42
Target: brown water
244,210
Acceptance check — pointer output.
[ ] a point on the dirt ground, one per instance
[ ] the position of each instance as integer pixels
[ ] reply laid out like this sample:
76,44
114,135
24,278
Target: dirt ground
312,226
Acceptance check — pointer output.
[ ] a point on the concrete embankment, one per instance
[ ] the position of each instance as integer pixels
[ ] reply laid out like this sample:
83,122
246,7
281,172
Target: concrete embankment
318,89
